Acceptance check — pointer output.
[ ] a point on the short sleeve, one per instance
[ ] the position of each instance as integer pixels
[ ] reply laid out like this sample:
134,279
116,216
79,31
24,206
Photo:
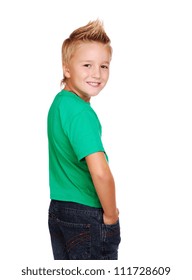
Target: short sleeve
84,133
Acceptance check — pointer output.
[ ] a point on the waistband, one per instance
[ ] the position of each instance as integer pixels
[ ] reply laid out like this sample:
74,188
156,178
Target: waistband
68,206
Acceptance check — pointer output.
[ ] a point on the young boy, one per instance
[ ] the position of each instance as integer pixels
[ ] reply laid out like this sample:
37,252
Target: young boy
83,216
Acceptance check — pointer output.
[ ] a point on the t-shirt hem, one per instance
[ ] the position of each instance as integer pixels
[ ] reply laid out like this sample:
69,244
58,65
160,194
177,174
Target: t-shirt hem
90,204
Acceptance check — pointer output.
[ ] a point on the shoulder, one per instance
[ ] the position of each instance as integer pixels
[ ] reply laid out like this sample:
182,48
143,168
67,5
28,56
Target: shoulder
71,108
71,103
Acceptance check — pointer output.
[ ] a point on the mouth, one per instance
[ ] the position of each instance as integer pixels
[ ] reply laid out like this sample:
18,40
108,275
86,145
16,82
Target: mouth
94,84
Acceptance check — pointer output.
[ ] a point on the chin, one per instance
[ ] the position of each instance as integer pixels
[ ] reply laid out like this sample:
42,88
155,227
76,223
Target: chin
94,94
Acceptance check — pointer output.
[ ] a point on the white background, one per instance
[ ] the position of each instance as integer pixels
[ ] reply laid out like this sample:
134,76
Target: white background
145,111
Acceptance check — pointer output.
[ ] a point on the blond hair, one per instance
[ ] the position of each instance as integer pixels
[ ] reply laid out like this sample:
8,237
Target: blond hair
92,32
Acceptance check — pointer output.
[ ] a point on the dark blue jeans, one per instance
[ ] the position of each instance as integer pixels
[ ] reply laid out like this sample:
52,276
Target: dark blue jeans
78,233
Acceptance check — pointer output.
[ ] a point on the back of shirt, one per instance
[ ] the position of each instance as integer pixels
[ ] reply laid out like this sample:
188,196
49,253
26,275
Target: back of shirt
74,132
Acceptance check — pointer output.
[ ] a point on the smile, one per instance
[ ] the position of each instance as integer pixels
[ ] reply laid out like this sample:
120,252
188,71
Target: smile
93,84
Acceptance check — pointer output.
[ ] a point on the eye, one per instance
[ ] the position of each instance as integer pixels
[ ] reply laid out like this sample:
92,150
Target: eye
105,66
87,65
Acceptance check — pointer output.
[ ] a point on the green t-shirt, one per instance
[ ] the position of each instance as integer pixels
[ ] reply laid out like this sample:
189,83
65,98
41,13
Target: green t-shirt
74,131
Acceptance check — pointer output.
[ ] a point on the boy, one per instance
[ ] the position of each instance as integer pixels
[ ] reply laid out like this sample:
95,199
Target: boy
83,217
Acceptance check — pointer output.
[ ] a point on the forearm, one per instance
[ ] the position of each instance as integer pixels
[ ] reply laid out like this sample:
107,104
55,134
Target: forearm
104,185
105,188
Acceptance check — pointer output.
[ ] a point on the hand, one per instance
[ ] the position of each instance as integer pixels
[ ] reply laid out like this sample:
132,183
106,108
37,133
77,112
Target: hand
110,220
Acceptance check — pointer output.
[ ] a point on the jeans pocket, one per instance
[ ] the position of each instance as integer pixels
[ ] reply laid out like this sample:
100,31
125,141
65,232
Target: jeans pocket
77,239
111,239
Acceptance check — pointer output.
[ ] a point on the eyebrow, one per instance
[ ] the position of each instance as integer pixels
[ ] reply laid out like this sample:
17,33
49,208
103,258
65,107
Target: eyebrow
87,61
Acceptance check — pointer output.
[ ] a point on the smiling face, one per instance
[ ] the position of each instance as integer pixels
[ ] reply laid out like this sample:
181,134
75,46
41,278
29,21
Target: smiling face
88,70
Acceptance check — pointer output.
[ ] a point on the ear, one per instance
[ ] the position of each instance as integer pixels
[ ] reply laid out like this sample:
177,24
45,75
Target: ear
66,71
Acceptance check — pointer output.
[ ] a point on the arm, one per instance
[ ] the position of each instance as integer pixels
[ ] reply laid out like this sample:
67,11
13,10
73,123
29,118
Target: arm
104,185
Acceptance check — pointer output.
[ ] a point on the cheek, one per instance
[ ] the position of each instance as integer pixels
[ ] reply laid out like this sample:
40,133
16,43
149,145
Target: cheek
83,73
106,76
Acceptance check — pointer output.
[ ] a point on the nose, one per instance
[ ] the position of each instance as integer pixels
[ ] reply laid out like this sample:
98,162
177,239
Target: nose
96,72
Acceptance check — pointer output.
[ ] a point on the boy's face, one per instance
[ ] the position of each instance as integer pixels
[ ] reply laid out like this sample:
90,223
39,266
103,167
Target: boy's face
88,70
